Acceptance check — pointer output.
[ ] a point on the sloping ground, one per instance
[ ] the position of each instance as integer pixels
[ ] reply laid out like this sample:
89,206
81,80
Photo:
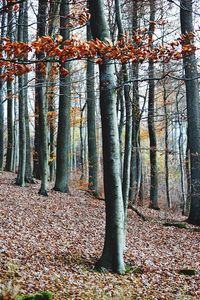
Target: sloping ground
52,243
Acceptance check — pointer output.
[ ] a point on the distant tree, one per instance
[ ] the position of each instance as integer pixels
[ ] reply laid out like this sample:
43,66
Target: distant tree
10,121
2,135
41,101
22,106
91,123
151,116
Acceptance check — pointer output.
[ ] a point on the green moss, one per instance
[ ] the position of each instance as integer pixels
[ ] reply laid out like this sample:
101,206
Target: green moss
133,269
189,272
38,296
176,224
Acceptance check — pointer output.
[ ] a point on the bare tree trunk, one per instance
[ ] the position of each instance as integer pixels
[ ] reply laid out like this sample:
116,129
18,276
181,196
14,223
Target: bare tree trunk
3,32
91,123
63,136
41,100
151,123
22,125
10,133
193,112
169,204
112,256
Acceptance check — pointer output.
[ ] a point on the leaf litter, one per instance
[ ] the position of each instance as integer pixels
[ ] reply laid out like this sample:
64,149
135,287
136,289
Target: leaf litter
52,243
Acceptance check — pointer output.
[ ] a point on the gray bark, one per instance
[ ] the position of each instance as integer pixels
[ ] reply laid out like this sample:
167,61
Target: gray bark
193,113
91,123
112,256
10,133
53,26
3,23
40,94
151,124
128,127
63,136
22,125
135,192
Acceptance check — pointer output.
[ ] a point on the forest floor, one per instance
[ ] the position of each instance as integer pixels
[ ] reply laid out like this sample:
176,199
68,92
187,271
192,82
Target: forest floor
51,243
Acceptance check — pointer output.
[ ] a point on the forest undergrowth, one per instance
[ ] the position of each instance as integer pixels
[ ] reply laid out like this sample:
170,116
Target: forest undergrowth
52,243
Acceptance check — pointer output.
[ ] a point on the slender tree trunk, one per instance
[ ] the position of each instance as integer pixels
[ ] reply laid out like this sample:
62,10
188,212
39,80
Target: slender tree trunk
151,123
28,173
112,256
63,137
81,130
41,100
193,112
121,113
91,123
3,32
169,204
22,125
188,175
128,130
181,159
15,156
53,26
10,133
136,161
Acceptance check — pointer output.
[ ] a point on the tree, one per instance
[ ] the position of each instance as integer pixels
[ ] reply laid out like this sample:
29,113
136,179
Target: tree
91,123
63,137
10,131
128,129
41,101
3,27
151,125
193,109
135,192
22,106
112,256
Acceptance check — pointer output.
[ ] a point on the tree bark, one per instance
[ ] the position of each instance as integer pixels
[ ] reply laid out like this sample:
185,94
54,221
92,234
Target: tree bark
63,136
91,123
22,125
29,173
193,112
135,192
151,123
41,100
112,256
3,23
128,127
10,133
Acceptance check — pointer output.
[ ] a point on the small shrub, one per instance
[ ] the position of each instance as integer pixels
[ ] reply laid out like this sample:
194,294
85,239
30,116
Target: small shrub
38,296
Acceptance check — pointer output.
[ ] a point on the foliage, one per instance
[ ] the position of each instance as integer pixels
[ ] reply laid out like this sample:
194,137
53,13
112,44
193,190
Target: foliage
38,296
13,55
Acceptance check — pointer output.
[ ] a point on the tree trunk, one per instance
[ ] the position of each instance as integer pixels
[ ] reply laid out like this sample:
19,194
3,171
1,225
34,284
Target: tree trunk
91,123
28,174
151,123
3,31
63,136
10,133
112,256
169,204
135,193
40,94
193,112
128,129
22,125
53,26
